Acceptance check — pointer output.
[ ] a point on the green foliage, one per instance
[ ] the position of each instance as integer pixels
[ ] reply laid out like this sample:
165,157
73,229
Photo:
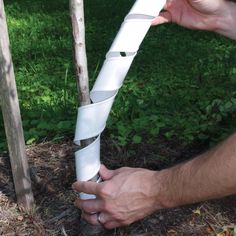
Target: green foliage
181,84
40,38
170,92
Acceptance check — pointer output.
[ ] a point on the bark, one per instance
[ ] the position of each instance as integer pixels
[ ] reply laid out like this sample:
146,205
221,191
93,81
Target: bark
12,119
80,58
82,81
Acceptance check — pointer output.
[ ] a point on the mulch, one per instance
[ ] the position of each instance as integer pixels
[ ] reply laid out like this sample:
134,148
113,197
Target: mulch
52,169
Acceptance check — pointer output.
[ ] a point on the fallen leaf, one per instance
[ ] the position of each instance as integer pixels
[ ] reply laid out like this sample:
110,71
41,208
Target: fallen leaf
171,232
197,212
20,218
209,230
220,234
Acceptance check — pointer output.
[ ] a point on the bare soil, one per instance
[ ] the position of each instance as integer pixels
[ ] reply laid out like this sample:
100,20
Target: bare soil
55,214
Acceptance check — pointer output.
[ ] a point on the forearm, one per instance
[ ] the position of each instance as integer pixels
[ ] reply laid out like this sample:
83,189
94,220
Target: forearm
209,176
227,25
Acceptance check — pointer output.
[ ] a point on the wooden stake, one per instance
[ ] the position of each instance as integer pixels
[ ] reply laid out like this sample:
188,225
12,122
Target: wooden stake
12,119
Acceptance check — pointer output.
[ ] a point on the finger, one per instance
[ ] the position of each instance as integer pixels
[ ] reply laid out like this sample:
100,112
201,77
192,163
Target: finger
103,218
89,206
90,218
164,17
105,173
87,187
112,225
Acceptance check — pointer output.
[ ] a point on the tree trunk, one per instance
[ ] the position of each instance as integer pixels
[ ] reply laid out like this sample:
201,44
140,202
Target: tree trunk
80,58
82,81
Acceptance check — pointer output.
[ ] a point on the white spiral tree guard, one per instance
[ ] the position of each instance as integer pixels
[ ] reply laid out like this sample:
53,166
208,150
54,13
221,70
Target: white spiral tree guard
91,119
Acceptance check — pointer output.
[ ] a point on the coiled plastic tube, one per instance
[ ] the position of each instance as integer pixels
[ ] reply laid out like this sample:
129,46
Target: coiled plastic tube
91,119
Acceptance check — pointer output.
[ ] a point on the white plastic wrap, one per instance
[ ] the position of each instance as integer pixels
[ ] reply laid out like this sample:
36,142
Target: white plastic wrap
91,119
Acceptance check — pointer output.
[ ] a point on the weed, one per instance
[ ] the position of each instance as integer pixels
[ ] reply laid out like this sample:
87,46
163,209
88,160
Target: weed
181,84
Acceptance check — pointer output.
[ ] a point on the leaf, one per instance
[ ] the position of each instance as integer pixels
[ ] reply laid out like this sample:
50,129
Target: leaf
20,218
30,141
234,230
220,234
64,125
155,131
228,105
172,232
234,71
197,212
137,139
43,125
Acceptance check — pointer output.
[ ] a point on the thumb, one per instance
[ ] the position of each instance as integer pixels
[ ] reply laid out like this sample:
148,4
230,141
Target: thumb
164,17
105,173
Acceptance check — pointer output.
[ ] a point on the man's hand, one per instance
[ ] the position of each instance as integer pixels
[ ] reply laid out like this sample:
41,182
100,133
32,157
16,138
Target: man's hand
194,14
129,194
212,15
126,195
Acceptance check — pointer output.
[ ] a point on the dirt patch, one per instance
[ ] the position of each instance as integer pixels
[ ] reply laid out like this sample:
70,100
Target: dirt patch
54,213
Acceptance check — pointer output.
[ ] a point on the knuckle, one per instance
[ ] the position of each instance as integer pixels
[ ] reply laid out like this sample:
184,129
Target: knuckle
104,192
89,207
119,217
90,219
86,207
81,185
106,206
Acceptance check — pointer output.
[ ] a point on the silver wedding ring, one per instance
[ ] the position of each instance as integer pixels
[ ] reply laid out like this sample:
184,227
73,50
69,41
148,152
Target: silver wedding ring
99,218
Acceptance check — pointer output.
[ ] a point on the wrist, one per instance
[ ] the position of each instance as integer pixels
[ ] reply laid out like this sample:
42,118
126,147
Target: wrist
225,24
168,188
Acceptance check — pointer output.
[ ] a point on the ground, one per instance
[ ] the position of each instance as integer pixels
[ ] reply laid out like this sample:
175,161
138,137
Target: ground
55,214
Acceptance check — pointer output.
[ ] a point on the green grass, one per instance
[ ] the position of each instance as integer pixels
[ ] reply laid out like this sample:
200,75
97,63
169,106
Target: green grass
181,84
